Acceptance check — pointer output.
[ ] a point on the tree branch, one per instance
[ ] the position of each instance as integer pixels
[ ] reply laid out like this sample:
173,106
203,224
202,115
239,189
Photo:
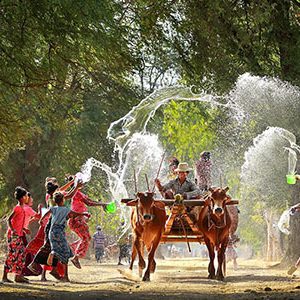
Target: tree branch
296,2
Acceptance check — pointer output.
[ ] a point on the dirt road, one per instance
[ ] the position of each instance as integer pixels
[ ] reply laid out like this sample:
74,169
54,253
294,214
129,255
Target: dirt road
174,279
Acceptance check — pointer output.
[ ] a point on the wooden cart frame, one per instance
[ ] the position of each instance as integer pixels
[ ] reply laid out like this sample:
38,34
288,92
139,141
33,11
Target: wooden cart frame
181,225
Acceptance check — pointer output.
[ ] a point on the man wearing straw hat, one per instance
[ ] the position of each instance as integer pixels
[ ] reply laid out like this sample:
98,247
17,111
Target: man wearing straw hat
180,185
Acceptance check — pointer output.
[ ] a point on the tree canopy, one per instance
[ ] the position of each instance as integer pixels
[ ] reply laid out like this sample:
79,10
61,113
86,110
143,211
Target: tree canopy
68,69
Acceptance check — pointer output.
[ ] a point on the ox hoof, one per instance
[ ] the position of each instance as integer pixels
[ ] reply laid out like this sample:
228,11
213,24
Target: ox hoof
146,278
140,273
220,278
211,276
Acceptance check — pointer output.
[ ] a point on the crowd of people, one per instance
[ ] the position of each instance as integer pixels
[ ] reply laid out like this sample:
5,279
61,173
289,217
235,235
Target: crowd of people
49,250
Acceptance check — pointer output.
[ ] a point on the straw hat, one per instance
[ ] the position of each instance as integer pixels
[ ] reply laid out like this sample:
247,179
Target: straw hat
183,167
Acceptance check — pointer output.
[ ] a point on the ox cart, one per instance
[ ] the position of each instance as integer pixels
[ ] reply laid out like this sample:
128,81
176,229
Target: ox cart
181,225
178,220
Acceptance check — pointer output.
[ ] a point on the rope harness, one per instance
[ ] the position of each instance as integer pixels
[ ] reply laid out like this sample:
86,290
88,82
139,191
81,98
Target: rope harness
212,223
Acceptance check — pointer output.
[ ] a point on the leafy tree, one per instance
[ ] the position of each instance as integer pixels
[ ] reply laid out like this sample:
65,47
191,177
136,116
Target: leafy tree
54,55
214,42
187,129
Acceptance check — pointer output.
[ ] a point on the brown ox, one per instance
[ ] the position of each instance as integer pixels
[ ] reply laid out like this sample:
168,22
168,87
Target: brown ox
214,221
148,220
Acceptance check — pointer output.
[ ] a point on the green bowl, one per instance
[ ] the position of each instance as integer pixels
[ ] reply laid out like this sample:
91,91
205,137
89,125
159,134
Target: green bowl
111,207
291,179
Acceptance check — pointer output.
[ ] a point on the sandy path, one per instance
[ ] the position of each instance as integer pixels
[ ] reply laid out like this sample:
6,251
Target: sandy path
174,279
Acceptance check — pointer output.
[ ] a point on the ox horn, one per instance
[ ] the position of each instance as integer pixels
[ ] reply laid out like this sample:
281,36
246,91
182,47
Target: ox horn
232,202
131,203
226,188
139,194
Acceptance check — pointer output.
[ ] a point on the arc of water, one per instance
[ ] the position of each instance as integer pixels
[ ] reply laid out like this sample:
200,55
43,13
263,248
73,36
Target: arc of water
292,160
292,155
122,130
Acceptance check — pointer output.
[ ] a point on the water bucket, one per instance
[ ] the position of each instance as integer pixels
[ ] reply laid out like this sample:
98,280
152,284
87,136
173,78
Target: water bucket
111,207
291,179
78,177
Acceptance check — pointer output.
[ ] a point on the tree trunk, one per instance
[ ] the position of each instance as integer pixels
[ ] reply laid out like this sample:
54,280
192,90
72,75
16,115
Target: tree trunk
274,249
30,167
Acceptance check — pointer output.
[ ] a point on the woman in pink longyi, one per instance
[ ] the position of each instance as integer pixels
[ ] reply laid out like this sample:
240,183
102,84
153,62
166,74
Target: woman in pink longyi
15,259
30,215
79,225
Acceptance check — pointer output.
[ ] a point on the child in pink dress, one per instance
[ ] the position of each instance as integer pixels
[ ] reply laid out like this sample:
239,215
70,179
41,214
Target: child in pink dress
15,259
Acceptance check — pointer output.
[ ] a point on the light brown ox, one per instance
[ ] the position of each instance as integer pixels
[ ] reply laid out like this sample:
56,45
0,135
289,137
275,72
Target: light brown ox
148,221
214,221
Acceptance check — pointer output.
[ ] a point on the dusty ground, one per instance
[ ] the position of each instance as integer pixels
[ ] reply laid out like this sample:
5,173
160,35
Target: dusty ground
174,279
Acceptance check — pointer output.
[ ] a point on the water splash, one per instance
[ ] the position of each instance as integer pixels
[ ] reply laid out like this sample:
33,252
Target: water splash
268,101
262,100
264,168
143,155
292,160
284,222
136,120
274,105
136,148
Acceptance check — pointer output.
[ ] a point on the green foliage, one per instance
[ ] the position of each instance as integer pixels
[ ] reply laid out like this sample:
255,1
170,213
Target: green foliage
63,65
187,129
213,42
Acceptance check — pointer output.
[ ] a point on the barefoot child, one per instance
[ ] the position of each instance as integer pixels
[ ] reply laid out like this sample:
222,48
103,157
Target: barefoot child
59,246
15,259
